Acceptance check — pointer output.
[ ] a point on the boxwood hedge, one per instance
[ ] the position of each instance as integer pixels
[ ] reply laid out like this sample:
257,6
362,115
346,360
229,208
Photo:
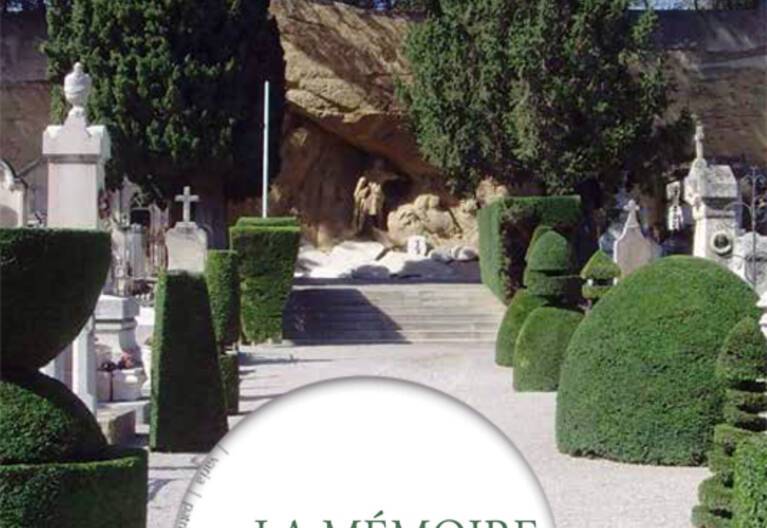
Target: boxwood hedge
750,491
41,271
223,282
267,260
505,229
103,493
638,383
188,410
522,305
549,269
599,275
230,379
741,365
541,347
41,421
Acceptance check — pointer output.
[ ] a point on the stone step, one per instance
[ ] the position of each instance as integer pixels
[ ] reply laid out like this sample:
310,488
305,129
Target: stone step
374,313
374,335
472,326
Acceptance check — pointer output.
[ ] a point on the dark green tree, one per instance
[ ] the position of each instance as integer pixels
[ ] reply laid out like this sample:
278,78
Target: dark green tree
179,84
562,91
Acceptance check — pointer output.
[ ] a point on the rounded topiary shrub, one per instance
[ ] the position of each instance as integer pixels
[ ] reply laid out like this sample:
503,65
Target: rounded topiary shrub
638,382
522,305
599,274
41,420
223,282
106,492
50,281
549,268
750,493
541,348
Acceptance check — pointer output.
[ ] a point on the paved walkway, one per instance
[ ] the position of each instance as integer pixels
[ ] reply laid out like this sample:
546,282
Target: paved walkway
582,493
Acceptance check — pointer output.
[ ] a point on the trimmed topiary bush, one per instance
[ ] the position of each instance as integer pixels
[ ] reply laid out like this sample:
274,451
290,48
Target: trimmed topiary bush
44,270
188,410
549,267
274,221
55,466
230,379
599,275
505,229
541,348
223,282
638,381
740,365
42,421
267,261
102,493
750,491
522,305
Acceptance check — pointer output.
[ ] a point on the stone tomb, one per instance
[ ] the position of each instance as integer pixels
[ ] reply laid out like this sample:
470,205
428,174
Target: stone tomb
632,250
13,198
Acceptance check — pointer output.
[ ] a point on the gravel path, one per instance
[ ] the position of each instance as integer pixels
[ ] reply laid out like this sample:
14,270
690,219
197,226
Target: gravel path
582,493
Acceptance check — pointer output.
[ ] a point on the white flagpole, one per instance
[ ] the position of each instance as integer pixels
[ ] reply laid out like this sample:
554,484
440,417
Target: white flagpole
265,177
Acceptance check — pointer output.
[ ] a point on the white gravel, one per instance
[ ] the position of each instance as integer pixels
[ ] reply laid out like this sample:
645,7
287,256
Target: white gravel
583,493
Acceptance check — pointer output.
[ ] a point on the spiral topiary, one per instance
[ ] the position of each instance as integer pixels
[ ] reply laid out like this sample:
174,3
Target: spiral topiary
599,275
55,466
741,365
638,382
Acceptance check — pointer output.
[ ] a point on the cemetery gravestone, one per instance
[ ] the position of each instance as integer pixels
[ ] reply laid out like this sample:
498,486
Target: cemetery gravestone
632,250
711,191
13,199
187,244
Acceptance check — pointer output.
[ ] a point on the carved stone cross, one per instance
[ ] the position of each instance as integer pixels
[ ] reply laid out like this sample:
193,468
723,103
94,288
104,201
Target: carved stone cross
632,220
187,198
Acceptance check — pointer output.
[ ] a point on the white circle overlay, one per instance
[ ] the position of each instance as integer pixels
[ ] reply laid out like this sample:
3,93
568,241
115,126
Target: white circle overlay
344,450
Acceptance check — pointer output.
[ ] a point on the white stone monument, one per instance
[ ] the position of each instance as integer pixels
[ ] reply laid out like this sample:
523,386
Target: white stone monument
76,154
749,260
187,243
632,250
13,198
712,193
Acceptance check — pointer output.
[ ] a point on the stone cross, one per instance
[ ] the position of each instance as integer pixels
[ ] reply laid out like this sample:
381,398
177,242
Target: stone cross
632,220
187,199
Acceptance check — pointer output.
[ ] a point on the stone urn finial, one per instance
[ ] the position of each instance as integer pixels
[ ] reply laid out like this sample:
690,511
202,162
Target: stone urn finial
77,86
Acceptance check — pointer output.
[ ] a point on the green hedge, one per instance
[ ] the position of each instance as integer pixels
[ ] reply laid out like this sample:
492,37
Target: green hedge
223,282
549,267
267,262
541,348
188,410
602,272
742,362
638,382
41,421
505,229
522,305
274,221
52,279
750,491
230,379
104,493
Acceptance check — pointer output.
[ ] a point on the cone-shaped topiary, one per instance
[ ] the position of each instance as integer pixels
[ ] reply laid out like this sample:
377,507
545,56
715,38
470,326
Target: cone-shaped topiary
522,305
43,421
223,282
188,409
541,347
268,255
55,466
638,382
740,365
538,233
599,275
750,492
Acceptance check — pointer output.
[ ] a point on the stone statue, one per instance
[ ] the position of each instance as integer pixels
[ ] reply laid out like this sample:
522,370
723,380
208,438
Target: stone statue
77,87
368,203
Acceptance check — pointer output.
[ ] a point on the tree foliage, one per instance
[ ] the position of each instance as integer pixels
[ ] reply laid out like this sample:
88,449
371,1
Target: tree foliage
178,83
560,91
